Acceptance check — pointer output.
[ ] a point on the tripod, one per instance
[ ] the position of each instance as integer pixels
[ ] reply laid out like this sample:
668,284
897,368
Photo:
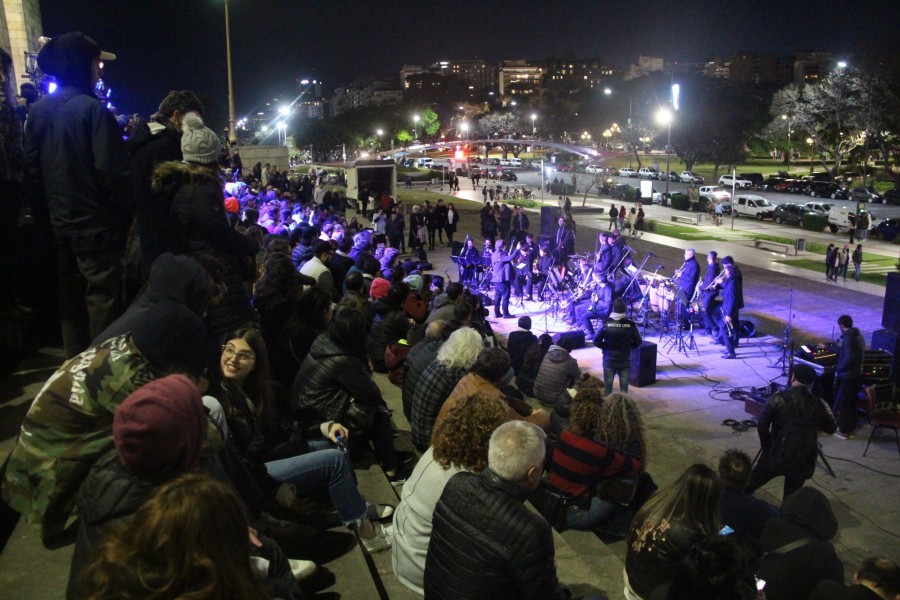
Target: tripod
677,340
787,344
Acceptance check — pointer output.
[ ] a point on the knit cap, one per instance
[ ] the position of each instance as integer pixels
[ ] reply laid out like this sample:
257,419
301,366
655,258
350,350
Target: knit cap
379,288
173,338
199,143
158,430
414,282
232,205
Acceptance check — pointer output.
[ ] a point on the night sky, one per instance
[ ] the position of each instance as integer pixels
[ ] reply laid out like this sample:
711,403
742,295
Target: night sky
175,44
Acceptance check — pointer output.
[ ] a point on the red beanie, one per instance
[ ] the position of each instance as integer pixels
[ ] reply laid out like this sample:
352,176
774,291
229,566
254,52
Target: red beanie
232,206
159,429
379,288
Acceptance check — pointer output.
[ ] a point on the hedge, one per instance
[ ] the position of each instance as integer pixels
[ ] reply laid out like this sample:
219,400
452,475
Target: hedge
562,189
681,202
814,222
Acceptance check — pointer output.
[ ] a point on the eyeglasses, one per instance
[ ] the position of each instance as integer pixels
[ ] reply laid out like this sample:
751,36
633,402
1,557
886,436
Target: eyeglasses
229,351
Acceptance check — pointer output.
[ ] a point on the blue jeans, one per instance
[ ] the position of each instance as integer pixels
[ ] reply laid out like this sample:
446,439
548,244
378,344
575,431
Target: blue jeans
323,468
610,370
585,519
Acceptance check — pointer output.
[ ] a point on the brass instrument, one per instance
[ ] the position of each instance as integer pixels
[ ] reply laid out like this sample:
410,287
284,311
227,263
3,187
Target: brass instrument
728,326
715,281
578,295
677,274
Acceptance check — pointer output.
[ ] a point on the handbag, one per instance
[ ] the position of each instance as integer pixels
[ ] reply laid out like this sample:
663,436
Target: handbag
359,416
553,506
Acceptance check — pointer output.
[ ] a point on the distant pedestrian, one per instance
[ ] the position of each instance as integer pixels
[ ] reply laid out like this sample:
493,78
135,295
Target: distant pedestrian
845,261
613,217
484,194
862,226
829,261
623,214
632,218
857,261
639,222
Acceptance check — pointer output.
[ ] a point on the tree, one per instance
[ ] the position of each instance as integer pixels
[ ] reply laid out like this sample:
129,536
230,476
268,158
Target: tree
404,136
430,122
502,124
836,112
635,137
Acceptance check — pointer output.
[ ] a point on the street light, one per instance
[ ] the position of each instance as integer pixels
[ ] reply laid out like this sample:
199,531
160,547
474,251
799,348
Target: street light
415,127
533,127
284,110
790,122
232,133
465,128
282,135
664,116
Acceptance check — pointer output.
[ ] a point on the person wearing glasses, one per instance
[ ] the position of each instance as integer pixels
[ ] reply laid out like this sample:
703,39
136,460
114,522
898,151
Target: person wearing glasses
283,464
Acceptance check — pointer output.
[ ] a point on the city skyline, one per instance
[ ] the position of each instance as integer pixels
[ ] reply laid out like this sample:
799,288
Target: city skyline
174,45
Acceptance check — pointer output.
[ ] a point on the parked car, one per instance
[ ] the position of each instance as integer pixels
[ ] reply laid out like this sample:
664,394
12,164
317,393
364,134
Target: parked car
627,172
688,177
891,196
799,186
862,194
426,162
714,193
751,205
790,213
727,181
515,162
887,229
620,190
826,189
593,169
508,176
819,207
770,183
784,185
648,172
755,178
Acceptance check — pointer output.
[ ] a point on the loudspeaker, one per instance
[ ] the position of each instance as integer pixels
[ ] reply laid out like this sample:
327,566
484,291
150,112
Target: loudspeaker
549,217
643,365
890,314
576,337
456,248
885,339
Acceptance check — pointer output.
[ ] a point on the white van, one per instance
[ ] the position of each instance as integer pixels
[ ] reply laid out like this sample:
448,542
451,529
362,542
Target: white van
515,162
426,162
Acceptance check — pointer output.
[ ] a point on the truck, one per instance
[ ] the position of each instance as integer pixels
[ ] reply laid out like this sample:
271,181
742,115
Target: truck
375,176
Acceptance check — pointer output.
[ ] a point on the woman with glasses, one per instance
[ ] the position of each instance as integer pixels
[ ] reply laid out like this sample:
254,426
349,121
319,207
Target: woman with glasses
288,463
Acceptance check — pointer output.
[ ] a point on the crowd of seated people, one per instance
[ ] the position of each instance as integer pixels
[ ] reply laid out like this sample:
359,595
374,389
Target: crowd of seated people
241,383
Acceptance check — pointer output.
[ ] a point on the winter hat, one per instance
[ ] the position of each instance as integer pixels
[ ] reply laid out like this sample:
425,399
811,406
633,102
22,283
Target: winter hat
232,206
379,288
414,282
388,257
199,144
173,338
159,429
805,374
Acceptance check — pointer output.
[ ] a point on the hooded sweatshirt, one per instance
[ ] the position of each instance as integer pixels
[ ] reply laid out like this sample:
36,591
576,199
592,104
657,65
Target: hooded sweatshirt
804,514
558,372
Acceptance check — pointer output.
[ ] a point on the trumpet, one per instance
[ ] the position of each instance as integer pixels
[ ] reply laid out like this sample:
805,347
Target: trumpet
728,326
715,281
677,274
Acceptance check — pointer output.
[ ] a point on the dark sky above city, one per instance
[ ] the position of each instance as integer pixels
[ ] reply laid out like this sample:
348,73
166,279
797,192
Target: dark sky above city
176,44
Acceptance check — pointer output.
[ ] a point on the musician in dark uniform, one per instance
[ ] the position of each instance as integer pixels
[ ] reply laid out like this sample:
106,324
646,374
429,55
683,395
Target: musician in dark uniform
604,255
687,281
615,253
597,305
487,250
739,289
519,225
563,243
728,317
523,271
540,271
501,277
469,259
708,292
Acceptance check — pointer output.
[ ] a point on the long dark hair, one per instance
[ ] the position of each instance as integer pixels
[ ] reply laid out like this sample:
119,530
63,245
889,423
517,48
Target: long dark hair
258,385
188,540
348,332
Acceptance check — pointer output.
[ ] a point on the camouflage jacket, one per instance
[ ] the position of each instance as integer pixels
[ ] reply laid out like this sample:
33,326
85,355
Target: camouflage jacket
67,428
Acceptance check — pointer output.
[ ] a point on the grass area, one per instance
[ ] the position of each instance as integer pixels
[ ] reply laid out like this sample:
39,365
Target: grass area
683,233
818,265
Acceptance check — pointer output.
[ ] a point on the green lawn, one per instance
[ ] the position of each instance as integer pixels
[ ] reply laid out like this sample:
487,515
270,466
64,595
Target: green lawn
818,265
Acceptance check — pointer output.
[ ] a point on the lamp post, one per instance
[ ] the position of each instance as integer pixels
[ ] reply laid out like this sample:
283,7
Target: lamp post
415,127
465,128
232,132
533,126
664,116
790,122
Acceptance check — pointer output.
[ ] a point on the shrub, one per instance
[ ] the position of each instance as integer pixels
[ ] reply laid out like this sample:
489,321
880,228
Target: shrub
814,222
562,189
650,225
681,202
701,205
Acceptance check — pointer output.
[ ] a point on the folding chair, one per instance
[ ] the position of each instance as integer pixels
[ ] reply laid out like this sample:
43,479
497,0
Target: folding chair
883,413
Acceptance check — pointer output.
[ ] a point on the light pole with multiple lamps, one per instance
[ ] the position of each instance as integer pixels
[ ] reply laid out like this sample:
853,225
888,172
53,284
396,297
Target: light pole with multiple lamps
232,131
465,128
790,123
533,126
664,116
415,127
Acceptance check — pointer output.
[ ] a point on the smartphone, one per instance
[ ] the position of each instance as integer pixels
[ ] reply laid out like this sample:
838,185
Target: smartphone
726,530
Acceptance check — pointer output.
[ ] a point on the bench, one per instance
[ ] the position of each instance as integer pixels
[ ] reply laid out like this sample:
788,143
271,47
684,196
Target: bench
787,247
688,220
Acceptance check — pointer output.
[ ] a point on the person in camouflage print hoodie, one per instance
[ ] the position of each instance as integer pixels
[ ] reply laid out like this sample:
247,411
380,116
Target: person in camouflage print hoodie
69,424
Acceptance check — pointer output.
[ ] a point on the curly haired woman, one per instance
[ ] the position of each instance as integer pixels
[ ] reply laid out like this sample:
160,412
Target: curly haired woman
459,443
579,461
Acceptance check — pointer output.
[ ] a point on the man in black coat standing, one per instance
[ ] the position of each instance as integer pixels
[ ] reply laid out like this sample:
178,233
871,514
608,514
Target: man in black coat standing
788,433
708,292
519,226
728,320
485,543
848,375
687,281
501,277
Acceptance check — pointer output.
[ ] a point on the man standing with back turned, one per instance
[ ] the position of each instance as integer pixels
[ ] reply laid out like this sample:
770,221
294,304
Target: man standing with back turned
848,375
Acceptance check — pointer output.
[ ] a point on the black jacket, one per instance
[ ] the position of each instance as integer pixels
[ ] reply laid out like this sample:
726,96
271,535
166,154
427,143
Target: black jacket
798,412
617,338
520,222
74,147
654,562
689,277
150,145
792,575
390,325
486,544
850,356
328,378
745,513
501,266
516,345
730,300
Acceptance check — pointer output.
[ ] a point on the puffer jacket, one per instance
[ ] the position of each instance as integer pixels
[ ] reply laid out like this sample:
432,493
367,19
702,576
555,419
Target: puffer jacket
617,339
390,325
793,574
328,379
486,544
558,372
442,309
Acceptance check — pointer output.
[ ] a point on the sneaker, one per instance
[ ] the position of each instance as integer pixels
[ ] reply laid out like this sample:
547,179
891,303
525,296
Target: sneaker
384,538
397,480
404,457
302,569
844,436
379,512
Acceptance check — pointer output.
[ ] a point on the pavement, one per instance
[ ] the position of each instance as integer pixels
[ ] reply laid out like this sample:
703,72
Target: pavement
694,393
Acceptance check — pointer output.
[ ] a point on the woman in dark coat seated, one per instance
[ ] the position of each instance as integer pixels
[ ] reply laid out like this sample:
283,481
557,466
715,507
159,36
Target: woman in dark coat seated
391,324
